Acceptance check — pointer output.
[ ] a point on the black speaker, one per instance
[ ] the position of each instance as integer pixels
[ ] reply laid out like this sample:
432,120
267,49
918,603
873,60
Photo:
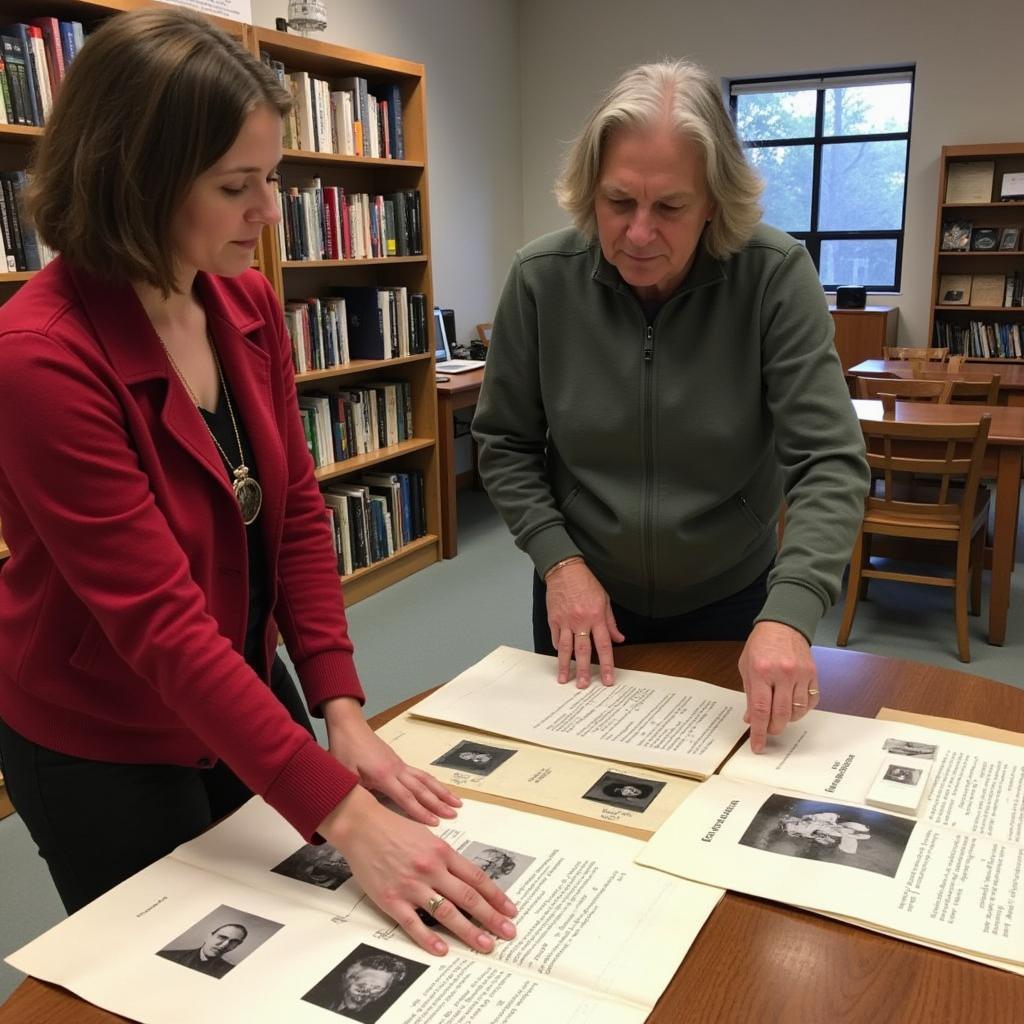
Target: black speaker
851,296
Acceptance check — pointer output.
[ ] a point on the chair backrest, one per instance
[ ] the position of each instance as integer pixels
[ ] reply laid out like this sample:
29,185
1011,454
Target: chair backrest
955,362
905,390
897,451
902,352
483,332
973,390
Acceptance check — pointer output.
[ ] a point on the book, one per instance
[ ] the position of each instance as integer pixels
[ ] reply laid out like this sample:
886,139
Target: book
956,236
365,327
954,290
35,103
987,289
15,67
970,181
985,239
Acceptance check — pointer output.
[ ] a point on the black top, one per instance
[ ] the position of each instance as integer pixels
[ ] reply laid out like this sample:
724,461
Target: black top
219,423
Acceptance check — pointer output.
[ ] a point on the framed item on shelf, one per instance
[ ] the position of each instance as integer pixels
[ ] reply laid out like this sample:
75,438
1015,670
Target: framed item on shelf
1012,187
985,239
956,236
987,289
1009,239
970,181
955,290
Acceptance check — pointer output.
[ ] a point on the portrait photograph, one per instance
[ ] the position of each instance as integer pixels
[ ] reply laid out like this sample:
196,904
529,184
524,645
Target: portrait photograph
910,748
833,833
219,942
900,773
627,791
366,984
1009,239
474,757
501,865
316,865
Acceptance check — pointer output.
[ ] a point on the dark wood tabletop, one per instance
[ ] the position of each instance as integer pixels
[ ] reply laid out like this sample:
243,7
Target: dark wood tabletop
757,961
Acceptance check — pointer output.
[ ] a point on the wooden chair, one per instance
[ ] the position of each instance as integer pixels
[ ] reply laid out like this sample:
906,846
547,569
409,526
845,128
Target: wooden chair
902,352
974,390
954,363
905,390
483,332
898,450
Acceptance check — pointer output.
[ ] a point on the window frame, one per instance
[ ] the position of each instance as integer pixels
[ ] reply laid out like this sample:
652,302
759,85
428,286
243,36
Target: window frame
813,237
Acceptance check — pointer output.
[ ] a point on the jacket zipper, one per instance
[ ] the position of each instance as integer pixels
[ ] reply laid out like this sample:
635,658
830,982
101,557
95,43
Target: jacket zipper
647,509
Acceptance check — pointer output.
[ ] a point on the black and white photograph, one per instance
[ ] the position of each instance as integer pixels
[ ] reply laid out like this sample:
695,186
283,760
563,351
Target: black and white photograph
474,757
220,941
984,239
316,865
910,748
956,236
628,791
900,773
502,866
833,833
1009,239
366,984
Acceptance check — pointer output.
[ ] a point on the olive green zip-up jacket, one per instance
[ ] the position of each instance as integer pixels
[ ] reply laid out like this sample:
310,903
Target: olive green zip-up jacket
661,451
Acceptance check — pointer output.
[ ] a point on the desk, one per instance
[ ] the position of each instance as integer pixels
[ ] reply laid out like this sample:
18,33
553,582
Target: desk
1011,375
754,960
461,391
1002,464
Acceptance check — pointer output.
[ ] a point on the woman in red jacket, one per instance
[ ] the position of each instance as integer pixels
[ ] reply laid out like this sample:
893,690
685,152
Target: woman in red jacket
161,508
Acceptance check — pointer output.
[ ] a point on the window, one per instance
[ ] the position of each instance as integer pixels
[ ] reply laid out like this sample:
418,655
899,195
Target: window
833,151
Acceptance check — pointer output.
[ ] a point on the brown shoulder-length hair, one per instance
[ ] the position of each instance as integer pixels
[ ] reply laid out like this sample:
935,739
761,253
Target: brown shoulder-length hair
154,99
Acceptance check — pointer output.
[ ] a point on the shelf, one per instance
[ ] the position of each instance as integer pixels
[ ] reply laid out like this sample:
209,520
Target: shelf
302,156
21,275
5,551
995,359
982,309
416,555
337,470
1015,205
974,252
6,807
377,262
22,133
358,366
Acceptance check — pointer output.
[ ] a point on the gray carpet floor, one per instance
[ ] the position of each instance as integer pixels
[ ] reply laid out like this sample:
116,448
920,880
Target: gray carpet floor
433,625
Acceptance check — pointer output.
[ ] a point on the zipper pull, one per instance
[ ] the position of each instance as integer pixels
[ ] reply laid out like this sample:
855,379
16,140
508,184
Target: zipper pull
649,344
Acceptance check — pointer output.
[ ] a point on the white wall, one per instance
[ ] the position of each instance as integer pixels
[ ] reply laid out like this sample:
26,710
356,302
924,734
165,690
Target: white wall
471,52
968,59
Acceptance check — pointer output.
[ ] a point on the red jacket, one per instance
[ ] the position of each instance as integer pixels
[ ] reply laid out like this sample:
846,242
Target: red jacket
123,604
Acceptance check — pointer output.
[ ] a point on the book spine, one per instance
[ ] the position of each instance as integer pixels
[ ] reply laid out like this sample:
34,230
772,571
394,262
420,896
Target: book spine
31,76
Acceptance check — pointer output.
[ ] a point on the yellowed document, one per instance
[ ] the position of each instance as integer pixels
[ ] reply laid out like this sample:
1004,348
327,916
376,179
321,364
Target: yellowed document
298,937
633,801
982,732
682,726
944,887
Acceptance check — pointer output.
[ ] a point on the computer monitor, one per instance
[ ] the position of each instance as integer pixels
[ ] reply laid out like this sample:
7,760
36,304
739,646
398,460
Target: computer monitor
442,353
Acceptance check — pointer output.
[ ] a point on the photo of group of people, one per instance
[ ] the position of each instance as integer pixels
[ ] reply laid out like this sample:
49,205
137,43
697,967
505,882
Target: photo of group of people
474,757
911,748
219,942
833,833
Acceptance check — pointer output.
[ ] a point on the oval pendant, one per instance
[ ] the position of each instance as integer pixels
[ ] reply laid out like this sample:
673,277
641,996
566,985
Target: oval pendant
249,496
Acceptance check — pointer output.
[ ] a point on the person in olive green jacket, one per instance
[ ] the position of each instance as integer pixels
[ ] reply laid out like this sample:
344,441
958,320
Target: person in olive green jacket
661,376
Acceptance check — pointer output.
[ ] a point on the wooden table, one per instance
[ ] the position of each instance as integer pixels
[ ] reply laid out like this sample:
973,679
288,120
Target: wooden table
756,961
1002,464
1011,375
460,391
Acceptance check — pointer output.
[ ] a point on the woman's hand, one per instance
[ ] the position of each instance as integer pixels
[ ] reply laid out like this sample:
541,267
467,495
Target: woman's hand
402,867
422,797
580,612
780,680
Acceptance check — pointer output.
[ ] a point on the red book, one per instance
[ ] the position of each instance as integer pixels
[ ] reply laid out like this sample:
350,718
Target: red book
330,217
50,27
346,225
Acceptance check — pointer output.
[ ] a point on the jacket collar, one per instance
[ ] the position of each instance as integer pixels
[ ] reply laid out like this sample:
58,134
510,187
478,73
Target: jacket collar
705,271
125,333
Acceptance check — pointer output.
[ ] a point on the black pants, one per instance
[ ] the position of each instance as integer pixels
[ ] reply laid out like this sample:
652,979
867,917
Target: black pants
97,823
731,618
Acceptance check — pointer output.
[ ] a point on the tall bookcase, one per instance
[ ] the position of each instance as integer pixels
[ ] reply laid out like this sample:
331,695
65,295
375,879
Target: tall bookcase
293,280
991,213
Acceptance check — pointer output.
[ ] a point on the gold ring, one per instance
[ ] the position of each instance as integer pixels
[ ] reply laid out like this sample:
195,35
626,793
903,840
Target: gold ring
797,704
433,903
814,693
583,635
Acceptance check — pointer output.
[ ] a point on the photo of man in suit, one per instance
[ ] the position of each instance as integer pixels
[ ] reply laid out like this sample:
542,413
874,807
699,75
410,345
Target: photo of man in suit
209,957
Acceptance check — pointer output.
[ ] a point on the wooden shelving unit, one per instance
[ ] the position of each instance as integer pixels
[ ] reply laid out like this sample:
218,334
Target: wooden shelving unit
1007,157
300,280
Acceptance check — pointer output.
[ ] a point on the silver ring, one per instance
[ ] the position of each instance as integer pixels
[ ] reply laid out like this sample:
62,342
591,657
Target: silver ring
433,903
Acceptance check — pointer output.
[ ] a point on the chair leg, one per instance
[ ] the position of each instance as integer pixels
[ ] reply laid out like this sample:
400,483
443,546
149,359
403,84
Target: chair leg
852,590
864,563
963,550
977,567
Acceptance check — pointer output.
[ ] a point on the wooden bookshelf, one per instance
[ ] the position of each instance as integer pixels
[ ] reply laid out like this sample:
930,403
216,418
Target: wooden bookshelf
1007,158
6,807
299,280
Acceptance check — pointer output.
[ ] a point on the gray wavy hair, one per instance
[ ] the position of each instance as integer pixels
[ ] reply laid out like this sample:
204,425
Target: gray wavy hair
693,102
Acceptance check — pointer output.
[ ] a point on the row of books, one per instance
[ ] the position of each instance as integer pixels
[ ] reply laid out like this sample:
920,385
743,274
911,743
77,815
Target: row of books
981,339
351,119
356,421
35,59
356,323
375,516
326,223
20,247
982,289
